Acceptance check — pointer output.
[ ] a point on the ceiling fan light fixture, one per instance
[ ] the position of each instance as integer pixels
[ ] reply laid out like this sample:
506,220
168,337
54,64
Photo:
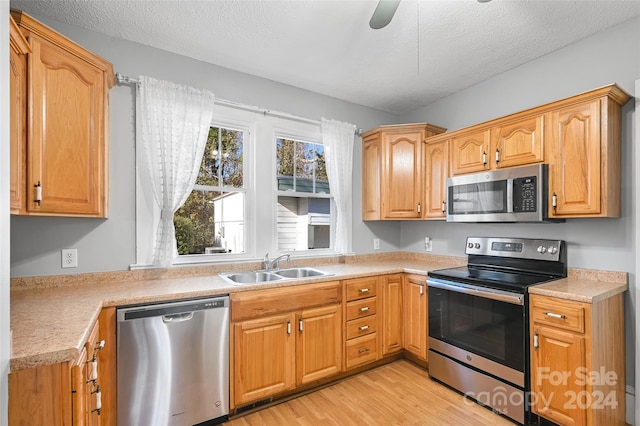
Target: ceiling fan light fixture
383,14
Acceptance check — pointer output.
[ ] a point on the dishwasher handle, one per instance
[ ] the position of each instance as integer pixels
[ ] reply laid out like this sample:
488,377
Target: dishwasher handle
170,319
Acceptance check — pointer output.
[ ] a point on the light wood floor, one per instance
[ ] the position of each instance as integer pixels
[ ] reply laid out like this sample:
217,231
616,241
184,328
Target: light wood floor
399,393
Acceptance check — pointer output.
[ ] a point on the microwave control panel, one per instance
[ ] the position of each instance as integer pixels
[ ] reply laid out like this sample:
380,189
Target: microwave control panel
524,195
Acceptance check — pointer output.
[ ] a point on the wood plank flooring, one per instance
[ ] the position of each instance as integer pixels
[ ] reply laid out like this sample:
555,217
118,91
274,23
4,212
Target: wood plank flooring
399,393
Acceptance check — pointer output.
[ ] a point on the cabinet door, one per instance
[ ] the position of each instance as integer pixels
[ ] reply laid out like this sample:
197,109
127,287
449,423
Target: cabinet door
391,314
402,175
66,139
470,152
574,172
557,391
263,357
518,143
18,117
319,343
371,179
415,315
436,173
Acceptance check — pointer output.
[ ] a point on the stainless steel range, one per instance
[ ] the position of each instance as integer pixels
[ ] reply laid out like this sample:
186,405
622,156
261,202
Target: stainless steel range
478,320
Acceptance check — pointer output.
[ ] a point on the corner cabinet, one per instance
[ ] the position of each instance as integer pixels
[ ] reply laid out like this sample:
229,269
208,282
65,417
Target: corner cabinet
392,171
64,393
584,166
65,160
577,360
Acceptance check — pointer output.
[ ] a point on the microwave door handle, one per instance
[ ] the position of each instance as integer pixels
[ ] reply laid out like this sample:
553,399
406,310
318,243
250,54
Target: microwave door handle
509,195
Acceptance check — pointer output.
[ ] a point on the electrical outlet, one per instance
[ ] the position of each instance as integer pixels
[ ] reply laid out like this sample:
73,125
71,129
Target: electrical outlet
428,244
69,258
376,243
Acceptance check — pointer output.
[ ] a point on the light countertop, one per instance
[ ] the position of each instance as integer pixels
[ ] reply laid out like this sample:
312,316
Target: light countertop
50,322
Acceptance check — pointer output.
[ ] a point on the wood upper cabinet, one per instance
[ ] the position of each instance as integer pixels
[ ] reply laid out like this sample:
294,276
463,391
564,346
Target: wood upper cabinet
577,360
371,169
319,343
518,143
470,152
436,171
66,163
392,323
393,171
415,315
19,47
264,362
584,166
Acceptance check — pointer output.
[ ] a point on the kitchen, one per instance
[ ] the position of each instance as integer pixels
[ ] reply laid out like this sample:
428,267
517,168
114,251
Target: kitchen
606,244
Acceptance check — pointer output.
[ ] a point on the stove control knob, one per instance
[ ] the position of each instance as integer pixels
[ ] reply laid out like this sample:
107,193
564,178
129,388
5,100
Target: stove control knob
542,249
470,245
553,250
477,245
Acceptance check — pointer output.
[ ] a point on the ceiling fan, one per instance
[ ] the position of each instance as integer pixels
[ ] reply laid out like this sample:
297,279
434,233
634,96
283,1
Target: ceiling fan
385,10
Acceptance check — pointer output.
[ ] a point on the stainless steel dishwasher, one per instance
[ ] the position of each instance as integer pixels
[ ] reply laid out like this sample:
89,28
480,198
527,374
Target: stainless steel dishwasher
173,363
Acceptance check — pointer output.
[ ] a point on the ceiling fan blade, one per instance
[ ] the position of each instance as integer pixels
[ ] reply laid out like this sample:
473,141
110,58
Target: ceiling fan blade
383,14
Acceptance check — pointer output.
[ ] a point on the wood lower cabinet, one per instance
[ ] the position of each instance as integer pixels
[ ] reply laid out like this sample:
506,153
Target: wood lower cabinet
392,322
361,337
393,170
577,360
415,315
318,343
65,161
264,357
297,340
60,394
584,167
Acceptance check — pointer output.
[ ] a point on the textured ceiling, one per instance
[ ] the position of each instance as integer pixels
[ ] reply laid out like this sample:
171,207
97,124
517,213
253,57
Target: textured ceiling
430,50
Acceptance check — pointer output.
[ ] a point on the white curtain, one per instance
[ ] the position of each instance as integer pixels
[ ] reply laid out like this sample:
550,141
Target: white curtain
172,125
338,139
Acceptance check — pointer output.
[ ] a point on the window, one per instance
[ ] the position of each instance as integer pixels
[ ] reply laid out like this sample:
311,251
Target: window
304,199
212,220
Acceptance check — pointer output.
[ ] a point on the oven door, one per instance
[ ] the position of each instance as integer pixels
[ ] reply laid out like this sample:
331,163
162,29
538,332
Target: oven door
466,319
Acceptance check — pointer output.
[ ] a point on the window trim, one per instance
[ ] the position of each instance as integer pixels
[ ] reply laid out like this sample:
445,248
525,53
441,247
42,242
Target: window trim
305,137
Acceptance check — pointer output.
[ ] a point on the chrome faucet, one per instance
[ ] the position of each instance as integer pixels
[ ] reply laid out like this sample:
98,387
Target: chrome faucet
268,265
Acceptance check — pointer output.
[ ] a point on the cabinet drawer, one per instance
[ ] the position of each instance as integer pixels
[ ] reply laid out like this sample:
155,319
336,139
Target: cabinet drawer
557,313
362,308
361,350
361,288
362,326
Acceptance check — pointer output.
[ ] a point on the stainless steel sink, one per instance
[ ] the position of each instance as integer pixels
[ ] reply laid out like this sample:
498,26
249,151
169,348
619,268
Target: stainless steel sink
257,277
301,273
251,277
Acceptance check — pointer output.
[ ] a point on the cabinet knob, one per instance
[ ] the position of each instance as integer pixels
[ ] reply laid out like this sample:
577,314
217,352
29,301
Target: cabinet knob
99,345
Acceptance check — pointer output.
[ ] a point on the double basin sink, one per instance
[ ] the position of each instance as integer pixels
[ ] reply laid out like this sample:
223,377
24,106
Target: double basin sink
256,277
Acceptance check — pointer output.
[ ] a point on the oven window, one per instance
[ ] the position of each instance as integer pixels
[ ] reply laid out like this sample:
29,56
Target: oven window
478,198
486,327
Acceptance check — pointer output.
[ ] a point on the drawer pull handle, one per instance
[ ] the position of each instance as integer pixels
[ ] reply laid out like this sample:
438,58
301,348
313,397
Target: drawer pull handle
363,328
363,351
552,315
365,309
98,393
363,290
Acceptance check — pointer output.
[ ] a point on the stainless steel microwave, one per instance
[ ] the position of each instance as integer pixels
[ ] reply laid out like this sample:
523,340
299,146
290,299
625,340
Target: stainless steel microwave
517,194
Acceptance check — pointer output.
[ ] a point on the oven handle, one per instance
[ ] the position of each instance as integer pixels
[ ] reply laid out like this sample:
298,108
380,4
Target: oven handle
502,296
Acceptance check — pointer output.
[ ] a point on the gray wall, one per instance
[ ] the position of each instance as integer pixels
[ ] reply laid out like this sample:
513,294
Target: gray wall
107,245
612,56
